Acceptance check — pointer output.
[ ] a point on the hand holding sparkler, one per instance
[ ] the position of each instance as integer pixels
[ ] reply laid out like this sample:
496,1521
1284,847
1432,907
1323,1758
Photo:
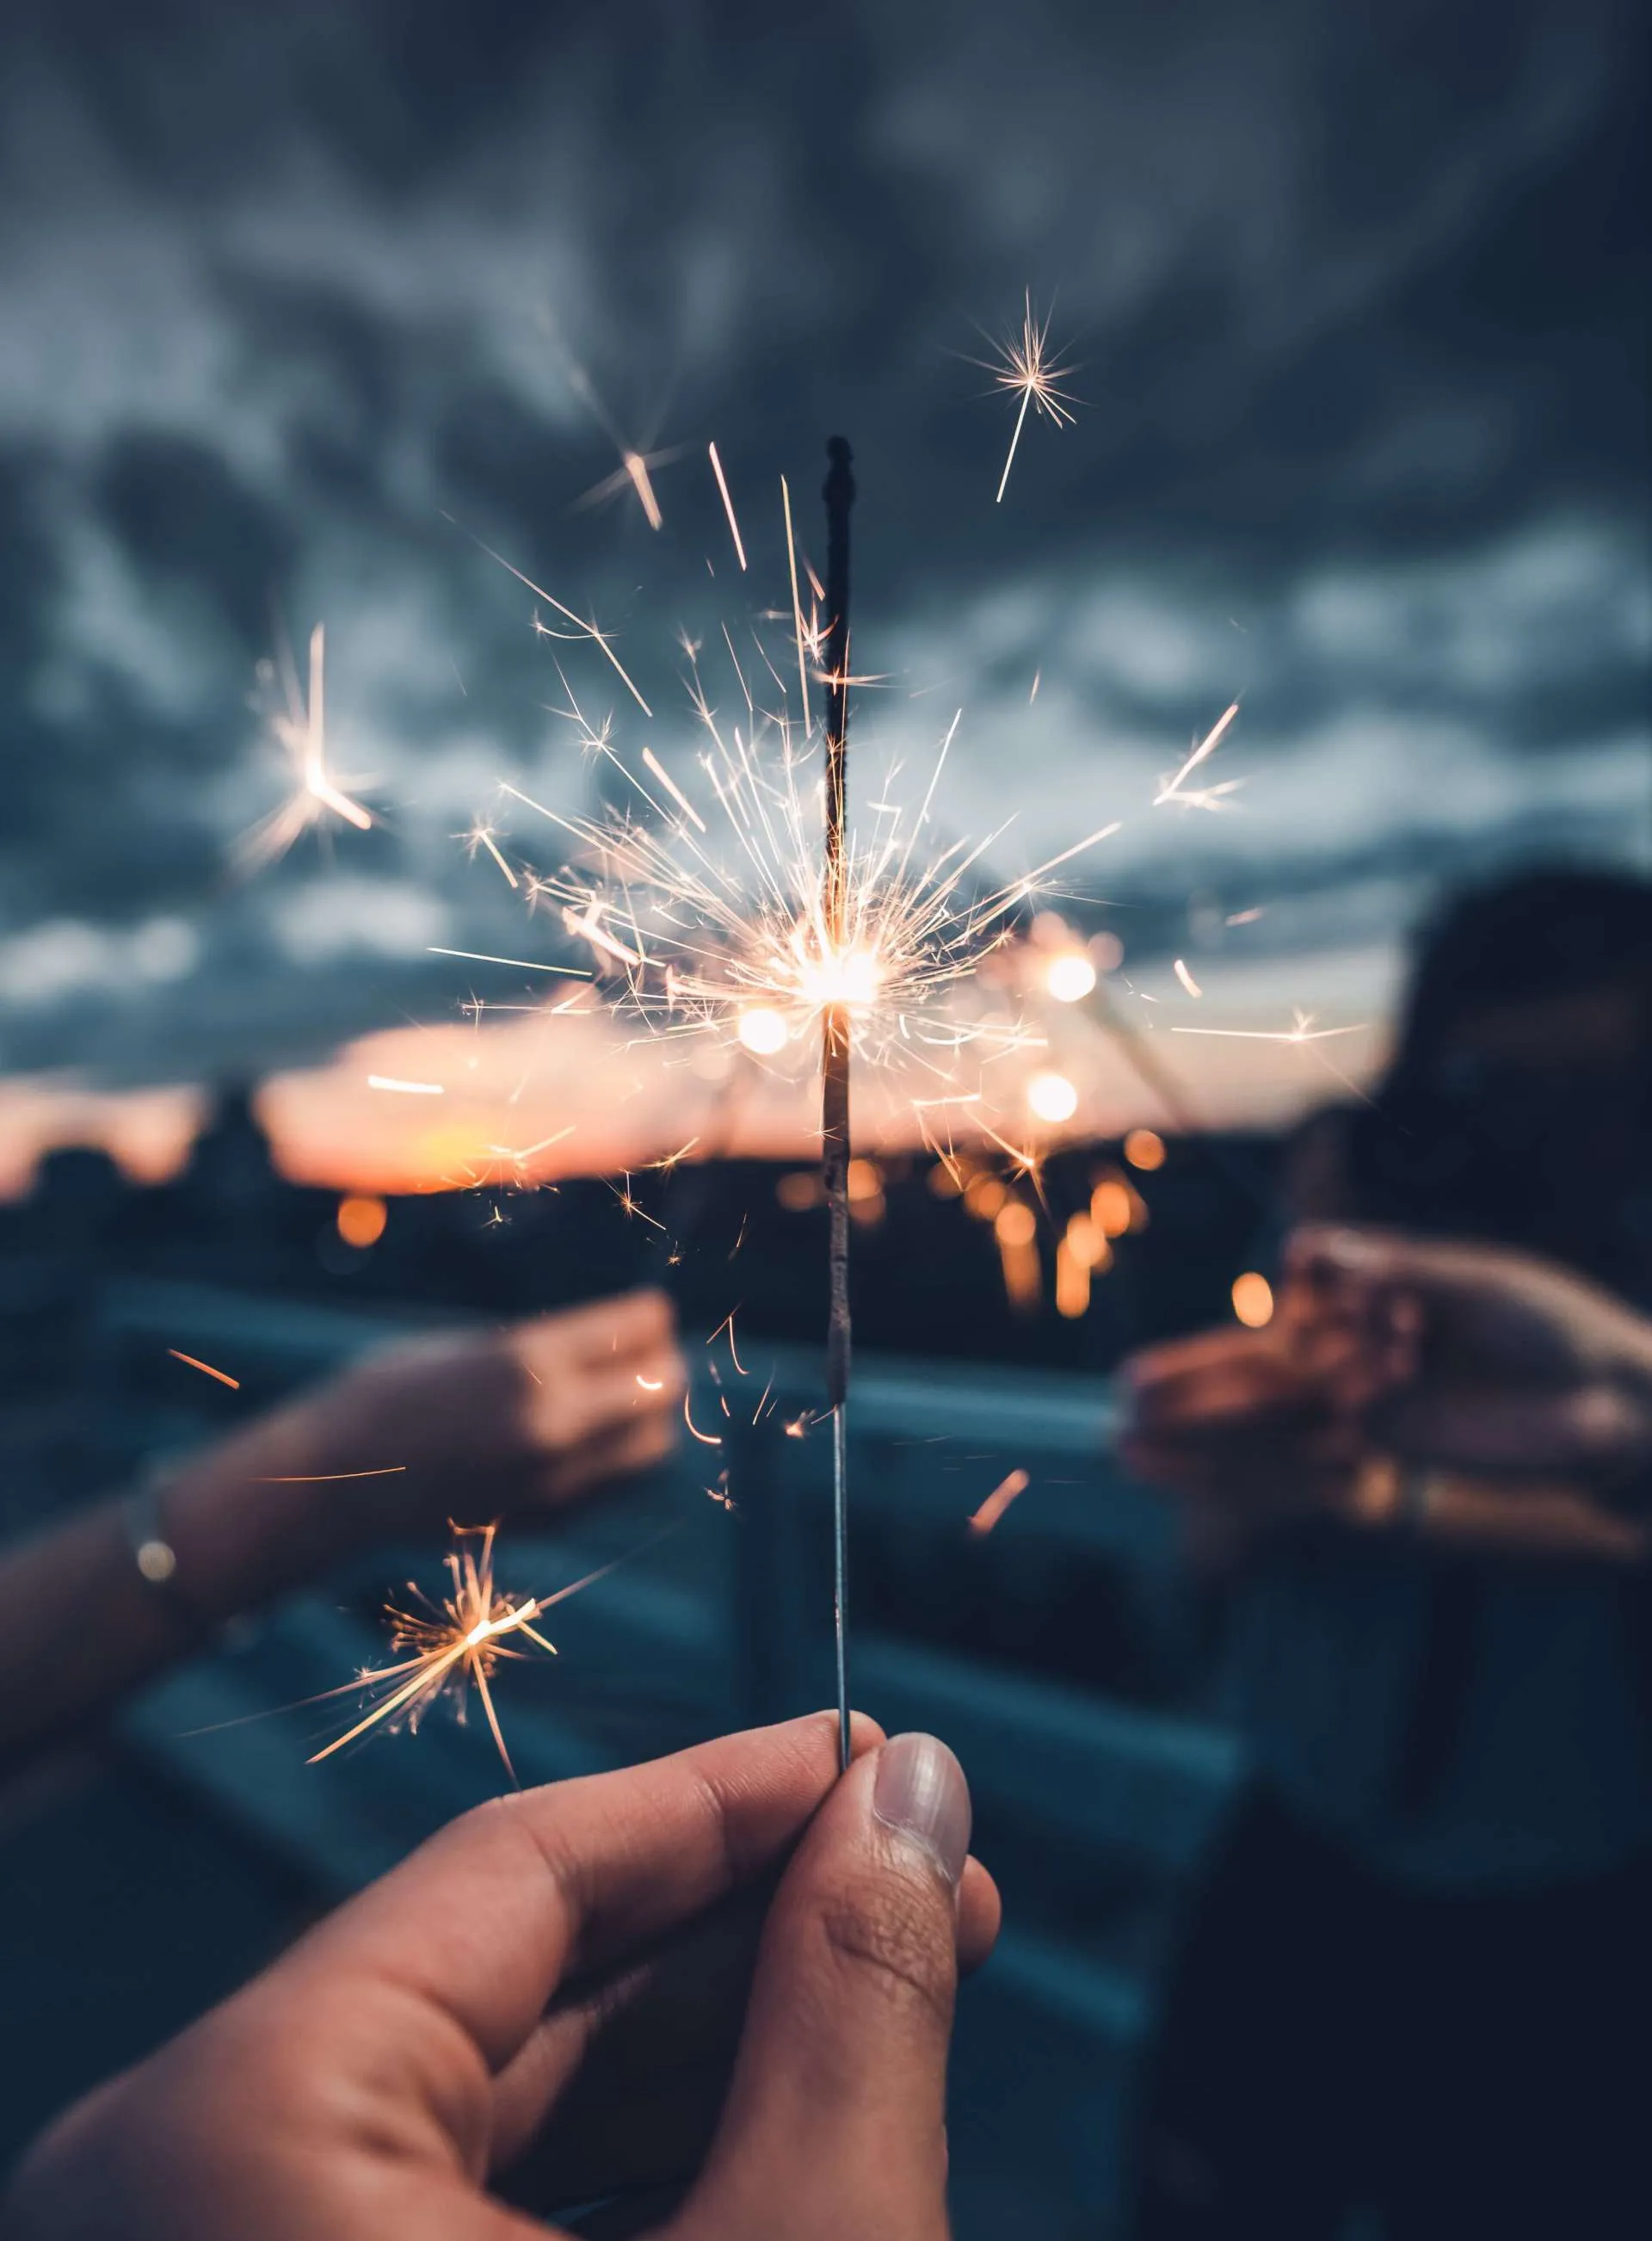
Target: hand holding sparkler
570,1971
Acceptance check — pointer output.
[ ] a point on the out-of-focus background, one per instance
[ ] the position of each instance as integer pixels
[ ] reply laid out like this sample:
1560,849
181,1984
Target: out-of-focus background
303,310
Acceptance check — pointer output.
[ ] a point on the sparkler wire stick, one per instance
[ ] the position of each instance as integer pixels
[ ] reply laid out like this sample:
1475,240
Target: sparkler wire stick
839,494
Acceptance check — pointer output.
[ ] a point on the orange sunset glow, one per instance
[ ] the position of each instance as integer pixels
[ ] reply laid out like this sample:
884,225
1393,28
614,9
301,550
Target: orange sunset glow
542,1095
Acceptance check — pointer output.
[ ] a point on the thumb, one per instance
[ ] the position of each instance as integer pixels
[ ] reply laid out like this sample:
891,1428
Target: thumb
835,2122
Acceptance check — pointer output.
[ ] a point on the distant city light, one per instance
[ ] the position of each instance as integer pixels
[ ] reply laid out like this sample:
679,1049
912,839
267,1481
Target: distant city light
763,1032
1085,1242
361,1221
983,1195
1015,1224
1052,1097
1069,977
1253,1299
800,1190
1144,1149
1072,1280
1112,1206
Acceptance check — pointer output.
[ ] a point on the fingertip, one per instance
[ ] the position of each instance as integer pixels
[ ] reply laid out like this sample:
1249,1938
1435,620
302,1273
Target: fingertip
648,1304
980,1917
865,1734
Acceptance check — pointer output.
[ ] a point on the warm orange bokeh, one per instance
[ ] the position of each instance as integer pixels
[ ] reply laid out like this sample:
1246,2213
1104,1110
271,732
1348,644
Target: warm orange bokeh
361,1221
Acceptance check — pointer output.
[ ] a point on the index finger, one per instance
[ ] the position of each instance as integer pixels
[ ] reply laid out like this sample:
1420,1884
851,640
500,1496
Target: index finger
488,1918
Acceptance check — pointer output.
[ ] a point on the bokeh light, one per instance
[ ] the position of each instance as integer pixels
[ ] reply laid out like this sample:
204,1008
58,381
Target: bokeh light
1253,1299
1052,1097
763,1030
1144,1149
361,1221
1070,977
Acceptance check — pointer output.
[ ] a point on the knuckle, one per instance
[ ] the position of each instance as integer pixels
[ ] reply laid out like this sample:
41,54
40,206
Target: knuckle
893,1935
1600,1425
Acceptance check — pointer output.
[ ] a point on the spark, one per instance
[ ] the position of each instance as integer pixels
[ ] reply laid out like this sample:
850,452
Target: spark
670,1160
633,463
706,1438
997,1501
222,1375
651,1384
525,964
728,506
1244,917
456,1642
628,1204
1170,789
581,627
797,607
1037,678
1186,978
479,836
727,1324
507,1155
1303,1031
632,474
1025,369
329,1478
654,763
405,1089
301,728
637,467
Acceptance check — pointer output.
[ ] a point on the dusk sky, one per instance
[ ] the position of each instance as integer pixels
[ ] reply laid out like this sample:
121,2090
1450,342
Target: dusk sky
1357,306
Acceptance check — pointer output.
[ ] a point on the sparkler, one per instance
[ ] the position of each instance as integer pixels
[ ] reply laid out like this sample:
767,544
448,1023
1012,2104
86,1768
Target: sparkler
749,914
836,1050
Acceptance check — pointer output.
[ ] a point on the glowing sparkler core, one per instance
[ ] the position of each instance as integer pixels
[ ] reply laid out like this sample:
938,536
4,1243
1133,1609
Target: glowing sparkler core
709,905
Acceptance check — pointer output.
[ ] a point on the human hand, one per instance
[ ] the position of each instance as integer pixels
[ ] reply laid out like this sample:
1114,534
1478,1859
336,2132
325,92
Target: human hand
471,1425
492,1422
1259,1423
512,1983
1479,1358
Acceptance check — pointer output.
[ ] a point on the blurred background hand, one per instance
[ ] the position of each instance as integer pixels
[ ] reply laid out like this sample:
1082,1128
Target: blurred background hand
1476,1356
471,1427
